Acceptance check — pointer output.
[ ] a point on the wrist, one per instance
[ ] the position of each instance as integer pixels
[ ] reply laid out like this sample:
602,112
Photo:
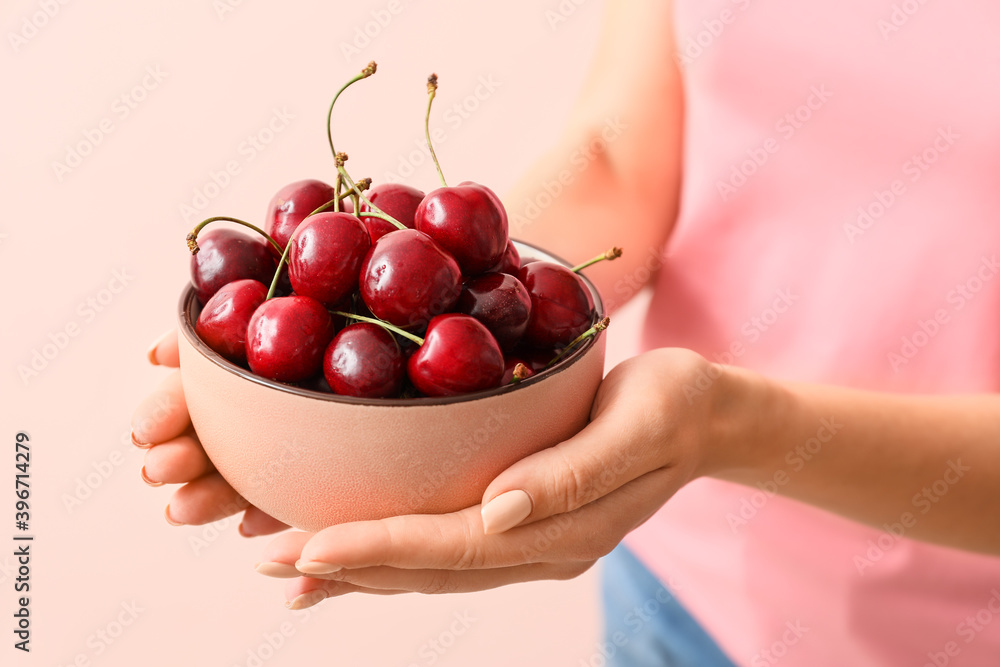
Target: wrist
746,414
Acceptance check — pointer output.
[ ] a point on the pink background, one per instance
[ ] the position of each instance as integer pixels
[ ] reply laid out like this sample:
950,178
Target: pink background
102,544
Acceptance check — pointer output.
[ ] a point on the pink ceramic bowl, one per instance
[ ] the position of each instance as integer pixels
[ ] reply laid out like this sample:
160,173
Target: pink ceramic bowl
313,459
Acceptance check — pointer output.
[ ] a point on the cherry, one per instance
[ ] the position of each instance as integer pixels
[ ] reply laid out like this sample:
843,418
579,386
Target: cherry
286,338
325,256
225,255
560,305
398,200
364,360
510,263
458,355
292,204
500,302
223,321
406,279
466,222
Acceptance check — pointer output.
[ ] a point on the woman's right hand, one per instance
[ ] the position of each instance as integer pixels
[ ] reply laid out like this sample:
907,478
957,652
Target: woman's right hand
162,426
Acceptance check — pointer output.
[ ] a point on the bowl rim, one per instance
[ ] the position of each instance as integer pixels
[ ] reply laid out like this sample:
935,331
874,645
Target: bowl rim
188,304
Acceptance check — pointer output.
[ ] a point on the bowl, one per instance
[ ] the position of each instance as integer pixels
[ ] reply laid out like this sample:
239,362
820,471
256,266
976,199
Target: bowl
313,459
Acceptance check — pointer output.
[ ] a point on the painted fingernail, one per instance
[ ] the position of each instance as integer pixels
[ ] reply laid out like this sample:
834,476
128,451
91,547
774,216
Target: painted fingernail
146,478
506,511
140,445
316,567
166,513
306,600
277,570
151,352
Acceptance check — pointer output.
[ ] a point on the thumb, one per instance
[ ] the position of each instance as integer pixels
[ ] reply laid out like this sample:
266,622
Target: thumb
163,351
611,451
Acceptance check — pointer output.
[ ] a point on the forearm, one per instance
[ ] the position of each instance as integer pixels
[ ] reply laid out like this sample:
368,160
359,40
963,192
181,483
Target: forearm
613,176
928,464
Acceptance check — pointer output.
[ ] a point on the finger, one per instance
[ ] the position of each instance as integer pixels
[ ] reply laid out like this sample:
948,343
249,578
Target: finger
163,351
457,542
256,522
280,555
162,415
573,473
305,592
433,582
177,461
204,500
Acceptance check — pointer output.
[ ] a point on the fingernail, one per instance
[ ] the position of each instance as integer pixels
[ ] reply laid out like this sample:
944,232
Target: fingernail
245,533
278,570
146,478
166,513
316,567
506,511
306,600
140,445
151,352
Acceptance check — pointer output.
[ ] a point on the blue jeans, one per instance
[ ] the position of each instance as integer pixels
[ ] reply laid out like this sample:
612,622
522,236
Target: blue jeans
645,626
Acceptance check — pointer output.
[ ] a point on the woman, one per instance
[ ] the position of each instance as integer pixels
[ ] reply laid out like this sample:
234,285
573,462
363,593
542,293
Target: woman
827,417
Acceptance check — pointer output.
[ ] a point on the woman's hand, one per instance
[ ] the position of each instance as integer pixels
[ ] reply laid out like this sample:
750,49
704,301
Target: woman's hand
549,516
161,425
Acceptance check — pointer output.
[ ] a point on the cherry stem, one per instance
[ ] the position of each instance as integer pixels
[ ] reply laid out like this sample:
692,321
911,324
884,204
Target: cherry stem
364,184
521,372
432,86
192,237
352,186
382,323
610,255
277,273
592,331
365,73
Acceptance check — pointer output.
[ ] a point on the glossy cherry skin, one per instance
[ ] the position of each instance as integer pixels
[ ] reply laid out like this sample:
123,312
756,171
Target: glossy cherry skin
398,200
561,307
469,222
222,324
459,355
325,257
364,360
406,279
292,204
510,263
226,255
500,302
286,338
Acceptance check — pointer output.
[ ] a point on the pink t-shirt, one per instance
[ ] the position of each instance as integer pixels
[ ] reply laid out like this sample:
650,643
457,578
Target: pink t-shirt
839,224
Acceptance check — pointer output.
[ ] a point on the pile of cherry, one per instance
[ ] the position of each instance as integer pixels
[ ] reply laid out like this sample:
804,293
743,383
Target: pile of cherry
385,291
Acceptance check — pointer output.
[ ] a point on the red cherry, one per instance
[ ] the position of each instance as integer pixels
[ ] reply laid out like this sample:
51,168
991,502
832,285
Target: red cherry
510,263
226,255
406,279
286,338
292,204
459,355
500,302
364,360
469,222
561,307
326,255
222,324
398,200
